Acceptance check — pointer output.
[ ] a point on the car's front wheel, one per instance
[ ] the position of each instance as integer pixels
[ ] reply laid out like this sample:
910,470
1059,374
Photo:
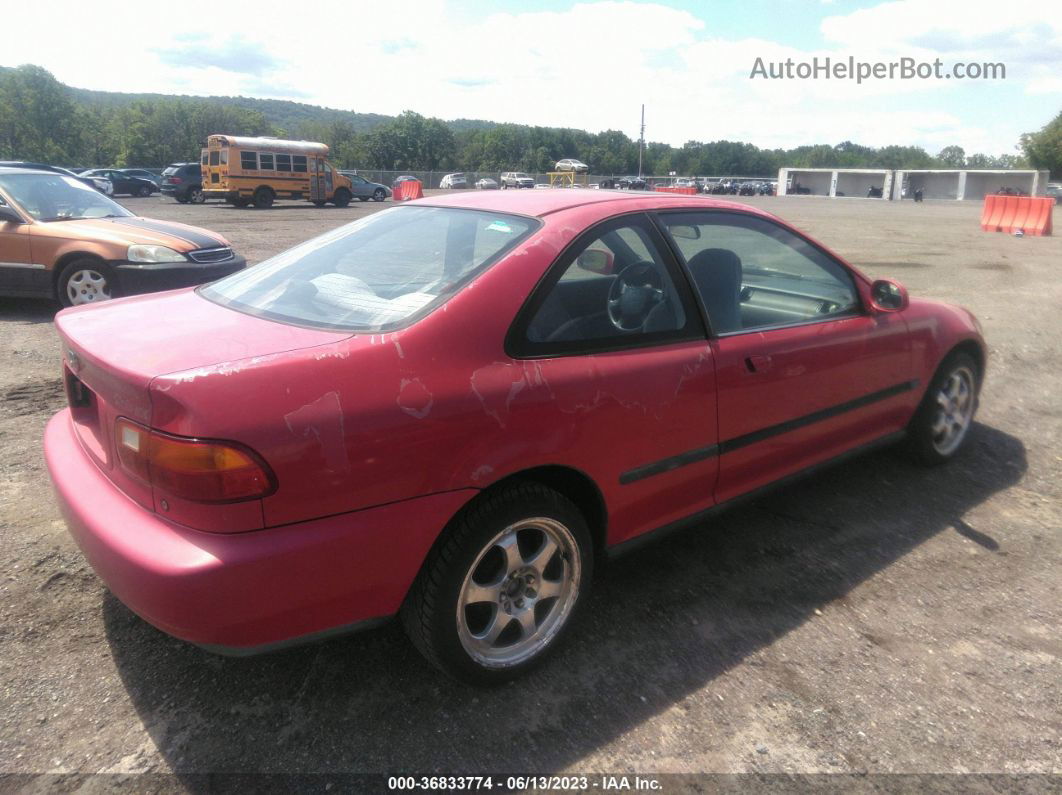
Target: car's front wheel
942,422
499,591
85,281
378,195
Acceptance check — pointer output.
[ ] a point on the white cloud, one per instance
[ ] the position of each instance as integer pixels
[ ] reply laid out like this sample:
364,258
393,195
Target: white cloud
588,66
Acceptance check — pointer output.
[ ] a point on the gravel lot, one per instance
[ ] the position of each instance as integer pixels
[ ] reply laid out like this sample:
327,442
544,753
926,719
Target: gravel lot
878,617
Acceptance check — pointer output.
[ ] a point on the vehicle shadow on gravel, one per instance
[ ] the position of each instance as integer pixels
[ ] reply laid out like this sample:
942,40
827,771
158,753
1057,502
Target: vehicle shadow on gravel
28,310
662,623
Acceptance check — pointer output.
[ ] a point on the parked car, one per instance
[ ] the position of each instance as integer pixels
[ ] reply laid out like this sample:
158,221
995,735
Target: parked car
143,173
101,250
364,189
486,183
454,181
571,164
102,184
123,182
404,178
631,183
739,353
516,179
1054,191
184,182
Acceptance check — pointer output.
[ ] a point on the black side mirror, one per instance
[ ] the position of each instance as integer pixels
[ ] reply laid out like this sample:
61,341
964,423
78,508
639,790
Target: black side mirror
888,296
8,214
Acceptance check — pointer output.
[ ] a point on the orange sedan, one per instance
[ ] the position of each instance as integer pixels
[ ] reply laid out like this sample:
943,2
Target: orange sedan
61,239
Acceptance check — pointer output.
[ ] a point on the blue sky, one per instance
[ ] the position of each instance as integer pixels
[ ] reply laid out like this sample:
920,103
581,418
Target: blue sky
591,64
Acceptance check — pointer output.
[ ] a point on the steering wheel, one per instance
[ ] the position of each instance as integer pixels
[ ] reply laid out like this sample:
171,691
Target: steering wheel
637,290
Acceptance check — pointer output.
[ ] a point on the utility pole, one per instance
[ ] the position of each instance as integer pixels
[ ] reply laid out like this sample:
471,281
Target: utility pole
641,143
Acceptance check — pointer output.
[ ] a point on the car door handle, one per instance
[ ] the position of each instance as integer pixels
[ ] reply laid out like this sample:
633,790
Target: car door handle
759,363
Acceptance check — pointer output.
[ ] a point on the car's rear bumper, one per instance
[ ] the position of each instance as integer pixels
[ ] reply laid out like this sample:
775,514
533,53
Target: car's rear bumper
135,278
243,592
175,191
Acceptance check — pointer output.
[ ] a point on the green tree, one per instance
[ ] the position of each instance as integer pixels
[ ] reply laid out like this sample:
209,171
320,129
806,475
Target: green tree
952,157
1043,149
36,116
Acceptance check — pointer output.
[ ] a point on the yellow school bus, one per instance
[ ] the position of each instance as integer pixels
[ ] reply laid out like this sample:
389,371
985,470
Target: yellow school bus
257,171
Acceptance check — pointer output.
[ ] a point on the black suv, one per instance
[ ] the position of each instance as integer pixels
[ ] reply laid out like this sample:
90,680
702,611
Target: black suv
184,182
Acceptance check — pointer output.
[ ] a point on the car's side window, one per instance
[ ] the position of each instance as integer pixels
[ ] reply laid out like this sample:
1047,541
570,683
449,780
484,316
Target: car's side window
752,273
612,289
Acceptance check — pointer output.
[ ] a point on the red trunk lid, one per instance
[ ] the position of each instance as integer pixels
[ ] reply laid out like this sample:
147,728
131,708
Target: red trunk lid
112,351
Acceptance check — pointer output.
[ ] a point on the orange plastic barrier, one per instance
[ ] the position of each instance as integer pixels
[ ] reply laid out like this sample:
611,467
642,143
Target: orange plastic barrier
410,189
690,191
1030,214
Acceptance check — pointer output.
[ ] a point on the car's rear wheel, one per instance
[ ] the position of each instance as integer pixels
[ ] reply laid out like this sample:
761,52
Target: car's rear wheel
85,281
499,591
378,195
942,422
143,191
263,198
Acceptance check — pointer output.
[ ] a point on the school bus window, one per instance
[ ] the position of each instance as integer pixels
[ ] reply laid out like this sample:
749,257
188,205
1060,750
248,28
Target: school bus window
215,157
224,157
249,161
283,162
298,163
265,161
203,159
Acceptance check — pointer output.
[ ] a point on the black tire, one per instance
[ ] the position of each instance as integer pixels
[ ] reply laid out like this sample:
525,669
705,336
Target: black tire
180,199
430,612
80,266
195,195
504,186
378,195
144,191
341,198
924,441
263,198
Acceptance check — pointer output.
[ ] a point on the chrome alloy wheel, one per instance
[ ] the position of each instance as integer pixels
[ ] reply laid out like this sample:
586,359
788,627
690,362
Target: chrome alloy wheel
955,403
86,287
519,592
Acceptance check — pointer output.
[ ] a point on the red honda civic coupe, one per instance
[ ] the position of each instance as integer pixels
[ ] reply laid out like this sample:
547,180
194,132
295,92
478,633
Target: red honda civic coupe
451,409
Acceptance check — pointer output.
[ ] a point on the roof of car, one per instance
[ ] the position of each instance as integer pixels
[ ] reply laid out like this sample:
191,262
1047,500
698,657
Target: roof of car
17,170
543,202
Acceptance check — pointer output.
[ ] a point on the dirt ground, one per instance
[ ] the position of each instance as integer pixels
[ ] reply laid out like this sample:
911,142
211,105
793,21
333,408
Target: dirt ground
878,617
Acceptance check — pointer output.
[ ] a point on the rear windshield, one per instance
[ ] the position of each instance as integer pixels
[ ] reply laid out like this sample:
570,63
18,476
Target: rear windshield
377,274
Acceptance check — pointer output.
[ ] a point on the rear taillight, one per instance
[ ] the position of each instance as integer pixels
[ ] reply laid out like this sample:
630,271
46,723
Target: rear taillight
199,470
174,180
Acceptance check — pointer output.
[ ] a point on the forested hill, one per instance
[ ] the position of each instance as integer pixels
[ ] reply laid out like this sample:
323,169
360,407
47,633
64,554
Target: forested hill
43,119
281,113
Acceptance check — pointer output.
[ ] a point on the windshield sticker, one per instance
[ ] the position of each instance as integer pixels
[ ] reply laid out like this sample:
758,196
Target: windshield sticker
499,226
